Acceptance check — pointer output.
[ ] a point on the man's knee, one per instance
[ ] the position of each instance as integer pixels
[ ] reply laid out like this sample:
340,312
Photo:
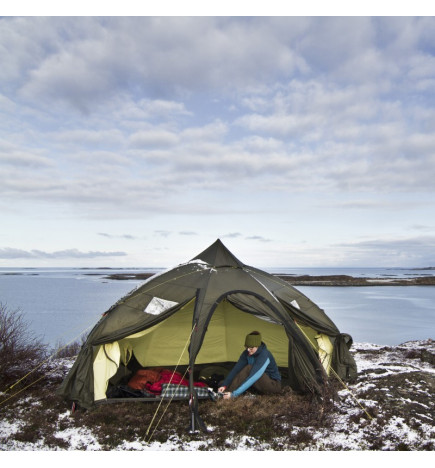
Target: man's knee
267,385
240,378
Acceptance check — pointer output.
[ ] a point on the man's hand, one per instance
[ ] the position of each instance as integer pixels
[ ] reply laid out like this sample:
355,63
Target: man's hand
227,396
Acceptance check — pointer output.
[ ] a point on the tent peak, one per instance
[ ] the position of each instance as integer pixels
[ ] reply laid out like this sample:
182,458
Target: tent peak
217,255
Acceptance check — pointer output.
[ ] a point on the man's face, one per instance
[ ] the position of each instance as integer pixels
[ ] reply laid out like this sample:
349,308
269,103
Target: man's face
252,351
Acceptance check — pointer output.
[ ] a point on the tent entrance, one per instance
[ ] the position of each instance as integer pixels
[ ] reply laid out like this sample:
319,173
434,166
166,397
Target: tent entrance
162,345
166,344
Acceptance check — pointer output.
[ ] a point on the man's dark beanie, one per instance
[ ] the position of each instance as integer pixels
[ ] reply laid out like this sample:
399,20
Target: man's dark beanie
253,340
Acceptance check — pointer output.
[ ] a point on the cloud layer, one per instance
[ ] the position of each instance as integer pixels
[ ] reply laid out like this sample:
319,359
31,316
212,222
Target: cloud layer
123,117
321,110
11,253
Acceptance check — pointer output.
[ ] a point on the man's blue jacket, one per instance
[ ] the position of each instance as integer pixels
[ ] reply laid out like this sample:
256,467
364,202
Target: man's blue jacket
262,361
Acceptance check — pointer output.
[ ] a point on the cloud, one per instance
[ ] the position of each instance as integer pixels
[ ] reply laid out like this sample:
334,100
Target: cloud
120,236
127,109
406,243
422,227
12,253
231,235
153,138
163,233
418,251
82,61
346,138
111,117
91,137
258,238
14,156
209,132
150,170
92,57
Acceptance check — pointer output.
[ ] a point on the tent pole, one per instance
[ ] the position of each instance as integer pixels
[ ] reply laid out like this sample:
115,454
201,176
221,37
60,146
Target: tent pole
191,402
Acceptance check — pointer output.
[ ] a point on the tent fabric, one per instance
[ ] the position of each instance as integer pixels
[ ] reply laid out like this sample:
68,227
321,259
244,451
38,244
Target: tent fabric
198,313
104,367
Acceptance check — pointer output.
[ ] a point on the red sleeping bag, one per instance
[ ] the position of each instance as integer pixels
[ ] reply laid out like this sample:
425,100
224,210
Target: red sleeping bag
144,377
153,379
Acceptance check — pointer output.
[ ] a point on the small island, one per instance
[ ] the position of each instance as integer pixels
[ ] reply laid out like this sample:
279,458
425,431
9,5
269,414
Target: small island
345,280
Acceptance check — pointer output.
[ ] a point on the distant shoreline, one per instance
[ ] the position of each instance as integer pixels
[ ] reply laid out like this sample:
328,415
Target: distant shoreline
344,280
308,280
293,279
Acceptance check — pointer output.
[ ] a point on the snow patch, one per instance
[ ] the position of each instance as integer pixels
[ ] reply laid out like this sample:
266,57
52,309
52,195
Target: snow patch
350,428
79,439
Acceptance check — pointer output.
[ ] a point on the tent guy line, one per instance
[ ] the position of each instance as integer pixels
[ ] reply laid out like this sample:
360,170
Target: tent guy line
169,402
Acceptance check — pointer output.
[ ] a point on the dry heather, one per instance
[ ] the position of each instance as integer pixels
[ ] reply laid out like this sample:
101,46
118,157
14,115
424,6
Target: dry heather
395,411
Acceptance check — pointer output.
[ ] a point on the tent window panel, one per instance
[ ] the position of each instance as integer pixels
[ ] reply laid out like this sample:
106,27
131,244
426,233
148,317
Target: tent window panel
157,305
225,336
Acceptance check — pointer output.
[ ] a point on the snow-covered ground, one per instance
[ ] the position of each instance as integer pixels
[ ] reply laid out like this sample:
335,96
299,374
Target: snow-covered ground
390,407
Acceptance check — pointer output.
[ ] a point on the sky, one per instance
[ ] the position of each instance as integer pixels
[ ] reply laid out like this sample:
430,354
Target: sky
137,141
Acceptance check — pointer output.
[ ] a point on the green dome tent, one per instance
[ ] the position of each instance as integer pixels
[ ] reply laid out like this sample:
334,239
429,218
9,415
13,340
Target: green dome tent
206,307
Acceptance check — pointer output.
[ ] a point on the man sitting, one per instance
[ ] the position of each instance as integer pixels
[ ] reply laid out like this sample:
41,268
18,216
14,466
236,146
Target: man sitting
255,368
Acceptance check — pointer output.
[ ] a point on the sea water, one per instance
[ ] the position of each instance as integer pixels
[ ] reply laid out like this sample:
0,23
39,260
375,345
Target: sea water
60,304
386,315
